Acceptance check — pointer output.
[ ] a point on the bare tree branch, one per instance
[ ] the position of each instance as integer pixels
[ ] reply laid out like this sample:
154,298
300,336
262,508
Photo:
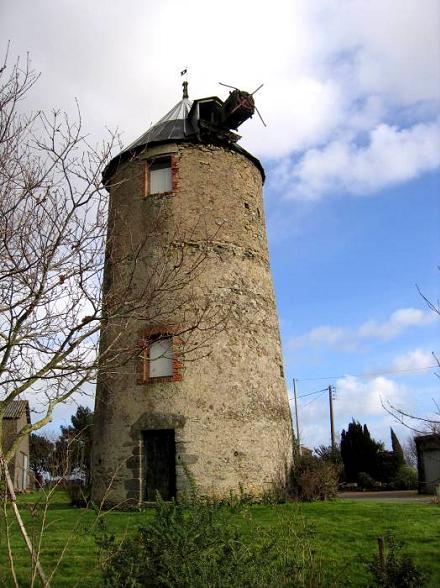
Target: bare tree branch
418,424
55,233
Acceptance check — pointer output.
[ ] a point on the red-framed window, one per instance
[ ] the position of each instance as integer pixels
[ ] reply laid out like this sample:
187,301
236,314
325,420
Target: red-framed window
160,176
160,356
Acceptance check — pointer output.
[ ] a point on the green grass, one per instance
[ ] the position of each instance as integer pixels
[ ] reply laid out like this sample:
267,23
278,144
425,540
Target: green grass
344,533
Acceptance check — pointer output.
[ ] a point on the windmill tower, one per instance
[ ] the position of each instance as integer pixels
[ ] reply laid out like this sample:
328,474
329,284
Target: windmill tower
192,375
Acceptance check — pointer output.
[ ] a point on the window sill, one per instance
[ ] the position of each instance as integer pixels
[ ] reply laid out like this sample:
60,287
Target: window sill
160,380
158,194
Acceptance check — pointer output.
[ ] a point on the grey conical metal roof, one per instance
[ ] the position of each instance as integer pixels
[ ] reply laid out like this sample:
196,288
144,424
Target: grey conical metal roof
173,126
181,123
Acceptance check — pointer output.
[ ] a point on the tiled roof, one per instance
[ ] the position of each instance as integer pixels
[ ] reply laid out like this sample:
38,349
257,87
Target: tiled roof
16,409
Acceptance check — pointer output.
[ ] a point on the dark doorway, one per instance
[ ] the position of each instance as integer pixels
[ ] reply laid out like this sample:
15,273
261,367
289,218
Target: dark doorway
160,464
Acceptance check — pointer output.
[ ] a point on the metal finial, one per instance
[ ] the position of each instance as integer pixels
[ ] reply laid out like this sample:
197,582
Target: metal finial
185,89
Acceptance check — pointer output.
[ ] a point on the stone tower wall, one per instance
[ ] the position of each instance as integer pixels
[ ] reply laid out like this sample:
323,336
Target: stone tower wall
229,410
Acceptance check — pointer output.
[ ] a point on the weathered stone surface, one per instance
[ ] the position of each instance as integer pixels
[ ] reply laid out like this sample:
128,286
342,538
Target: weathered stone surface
230,411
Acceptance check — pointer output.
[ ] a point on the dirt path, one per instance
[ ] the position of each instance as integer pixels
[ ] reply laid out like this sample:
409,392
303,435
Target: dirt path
387,496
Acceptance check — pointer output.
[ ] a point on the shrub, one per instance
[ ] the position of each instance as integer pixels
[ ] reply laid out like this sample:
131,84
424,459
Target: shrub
396,570
79,493
197,545
386,466
315,479
330,453
365,481
405,478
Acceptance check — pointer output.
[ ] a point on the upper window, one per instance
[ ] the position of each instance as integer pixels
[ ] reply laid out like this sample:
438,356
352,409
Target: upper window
158,177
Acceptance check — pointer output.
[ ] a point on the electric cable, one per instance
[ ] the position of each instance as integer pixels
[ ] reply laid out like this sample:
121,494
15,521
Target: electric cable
369,374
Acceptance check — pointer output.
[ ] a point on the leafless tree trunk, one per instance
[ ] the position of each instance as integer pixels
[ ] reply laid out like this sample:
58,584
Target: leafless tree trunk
21,526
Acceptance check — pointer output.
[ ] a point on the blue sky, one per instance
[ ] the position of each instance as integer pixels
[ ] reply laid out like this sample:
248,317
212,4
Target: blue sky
351,152
353,261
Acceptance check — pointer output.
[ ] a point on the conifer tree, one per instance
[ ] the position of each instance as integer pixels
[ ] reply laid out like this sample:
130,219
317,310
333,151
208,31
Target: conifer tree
358,451
41,454
399,456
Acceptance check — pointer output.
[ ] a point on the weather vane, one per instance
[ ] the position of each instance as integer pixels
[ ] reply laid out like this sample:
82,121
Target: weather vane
184,73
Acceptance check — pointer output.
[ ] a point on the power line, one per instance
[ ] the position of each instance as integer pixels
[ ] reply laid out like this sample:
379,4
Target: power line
313,399
368,374
311,393
308,394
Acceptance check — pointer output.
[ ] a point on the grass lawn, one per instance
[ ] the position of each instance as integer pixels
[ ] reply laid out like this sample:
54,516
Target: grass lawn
343,532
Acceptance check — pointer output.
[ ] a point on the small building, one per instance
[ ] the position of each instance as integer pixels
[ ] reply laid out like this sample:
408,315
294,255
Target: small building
17,415
428,462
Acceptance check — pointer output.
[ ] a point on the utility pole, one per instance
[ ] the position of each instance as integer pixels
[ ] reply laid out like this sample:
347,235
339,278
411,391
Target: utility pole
332,422
296,417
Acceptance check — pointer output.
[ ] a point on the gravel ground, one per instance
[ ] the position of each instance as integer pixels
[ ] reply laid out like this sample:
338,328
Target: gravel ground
388,496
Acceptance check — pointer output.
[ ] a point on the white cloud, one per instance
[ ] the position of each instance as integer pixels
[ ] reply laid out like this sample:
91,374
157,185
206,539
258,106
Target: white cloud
361,399
331,70
356,398
307,112
398,321
414,360
348,338
391,156
399,51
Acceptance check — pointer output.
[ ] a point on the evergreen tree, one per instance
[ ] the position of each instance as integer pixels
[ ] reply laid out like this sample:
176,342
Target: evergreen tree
358,451
397,449
41,454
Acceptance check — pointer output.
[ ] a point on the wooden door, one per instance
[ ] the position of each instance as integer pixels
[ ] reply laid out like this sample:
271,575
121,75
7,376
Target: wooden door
160,464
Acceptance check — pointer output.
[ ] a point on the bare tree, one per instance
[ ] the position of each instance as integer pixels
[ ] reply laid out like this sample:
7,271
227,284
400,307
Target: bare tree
52,229
410,452
52,215
420,425
53,242
53,233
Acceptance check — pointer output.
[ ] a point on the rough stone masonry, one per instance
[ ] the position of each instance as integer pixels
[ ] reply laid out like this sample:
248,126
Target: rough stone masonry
224,405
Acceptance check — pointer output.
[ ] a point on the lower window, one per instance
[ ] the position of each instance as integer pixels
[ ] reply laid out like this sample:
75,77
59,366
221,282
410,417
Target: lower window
160,357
